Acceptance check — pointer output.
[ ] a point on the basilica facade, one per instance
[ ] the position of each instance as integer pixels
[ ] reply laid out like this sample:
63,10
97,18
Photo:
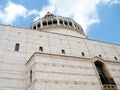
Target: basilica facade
53,53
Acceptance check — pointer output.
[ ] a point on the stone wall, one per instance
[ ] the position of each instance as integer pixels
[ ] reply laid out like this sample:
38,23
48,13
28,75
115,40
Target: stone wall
56,72
12,63
63,73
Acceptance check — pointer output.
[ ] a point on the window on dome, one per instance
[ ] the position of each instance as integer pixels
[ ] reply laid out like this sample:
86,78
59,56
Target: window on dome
34,27
70,23
44,23
54,21
61,22
65,22
38,25
49,22
17,47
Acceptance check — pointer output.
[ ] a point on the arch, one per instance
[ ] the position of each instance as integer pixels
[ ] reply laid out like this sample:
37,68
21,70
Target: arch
34,27
44,23
70,23
38,25
65,22
54,21
61,21
49,22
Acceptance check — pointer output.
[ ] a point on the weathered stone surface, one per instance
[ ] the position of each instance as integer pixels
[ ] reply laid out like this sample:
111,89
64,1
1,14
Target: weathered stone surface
51,69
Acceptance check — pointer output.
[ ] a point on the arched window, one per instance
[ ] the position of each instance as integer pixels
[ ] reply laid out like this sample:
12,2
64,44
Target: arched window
63,51
17,45
40,48
83,54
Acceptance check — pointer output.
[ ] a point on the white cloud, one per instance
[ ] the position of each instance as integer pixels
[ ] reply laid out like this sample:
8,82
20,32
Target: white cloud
82,11
9,14
110,2
50,8
115,2
31,12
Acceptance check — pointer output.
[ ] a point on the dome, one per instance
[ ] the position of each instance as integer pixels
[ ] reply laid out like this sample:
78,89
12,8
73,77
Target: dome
58,24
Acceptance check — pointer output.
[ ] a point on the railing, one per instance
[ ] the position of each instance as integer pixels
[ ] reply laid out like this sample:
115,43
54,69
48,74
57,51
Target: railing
109,87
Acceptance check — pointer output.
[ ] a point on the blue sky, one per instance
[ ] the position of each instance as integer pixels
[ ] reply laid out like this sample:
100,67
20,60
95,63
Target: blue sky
100,19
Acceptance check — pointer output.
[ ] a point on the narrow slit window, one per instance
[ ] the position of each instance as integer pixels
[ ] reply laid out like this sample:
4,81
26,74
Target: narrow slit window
63,51
40,48
31,76
17,47
115,58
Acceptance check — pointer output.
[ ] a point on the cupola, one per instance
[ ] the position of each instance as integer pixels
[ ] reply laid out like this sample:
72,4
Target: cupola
58,24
